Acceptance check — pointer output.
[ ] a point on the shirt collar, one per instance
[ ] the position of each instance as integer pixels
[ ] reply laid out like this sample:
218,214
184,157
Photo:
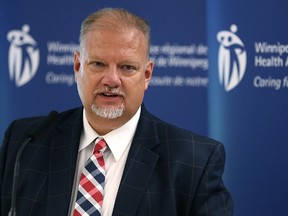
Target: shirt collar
117,140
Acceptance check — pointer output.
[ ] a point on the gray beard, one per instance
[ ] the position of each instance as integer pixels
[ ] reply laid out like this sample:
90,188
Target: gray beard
109,112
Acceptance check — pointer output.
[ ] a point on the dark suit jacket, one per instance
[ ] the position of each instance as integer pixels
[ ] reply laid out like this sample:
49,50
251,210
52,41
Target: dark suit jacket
169,171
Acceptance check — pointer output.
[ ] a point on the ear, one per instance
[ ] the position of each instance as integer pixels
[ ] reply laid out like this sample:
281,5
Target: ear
148,73
77,64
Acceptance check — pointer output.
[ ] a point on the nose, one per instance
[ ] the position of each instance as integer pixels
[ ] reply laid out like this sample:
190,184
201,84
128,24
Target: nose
111,77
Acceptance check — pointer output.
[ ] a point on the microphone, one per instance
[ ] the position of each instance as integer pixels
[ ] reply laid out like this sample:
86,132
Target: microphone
29,138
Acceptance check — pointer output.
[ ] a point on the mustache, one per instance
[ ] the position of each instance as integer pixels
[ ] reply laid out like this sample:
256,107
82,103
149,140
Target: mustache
109,90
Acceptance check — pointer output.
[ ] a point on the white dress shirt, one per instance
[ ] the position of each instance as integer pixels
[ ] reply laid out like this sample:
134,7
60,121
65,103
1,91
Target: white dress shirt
119,142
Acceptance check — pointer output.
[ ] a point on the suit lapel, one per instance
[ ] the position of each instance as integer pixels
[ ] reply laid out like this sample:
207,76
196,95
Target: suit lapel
62,163
63,157
139,167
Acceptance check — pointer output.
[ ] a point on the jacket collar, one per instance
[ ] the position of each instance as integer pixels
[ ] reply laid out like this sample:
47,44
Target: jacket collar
137,172
140,164
62,163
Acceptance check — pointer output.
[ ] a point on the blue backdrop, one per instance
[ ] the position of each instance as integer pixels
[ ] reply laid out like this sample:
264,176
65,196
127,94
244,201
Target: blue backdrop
220,70
250,37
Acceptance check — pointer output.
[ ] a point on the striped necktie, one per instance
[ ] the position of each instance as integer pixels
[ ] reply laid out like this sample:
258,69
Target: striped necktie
91,186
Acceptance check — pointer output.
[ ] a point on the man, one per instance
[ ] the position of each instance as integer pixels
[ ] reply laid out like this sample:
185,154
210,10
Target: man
149,166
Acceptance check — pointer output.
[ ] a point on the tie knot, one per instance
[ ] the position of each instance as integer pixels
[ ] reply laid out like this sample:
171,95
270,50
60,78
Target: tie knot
101,145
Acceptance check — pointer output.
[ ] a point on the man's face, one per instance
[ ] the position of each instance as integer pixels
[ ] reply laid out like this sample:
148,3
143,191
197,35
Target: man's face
112,73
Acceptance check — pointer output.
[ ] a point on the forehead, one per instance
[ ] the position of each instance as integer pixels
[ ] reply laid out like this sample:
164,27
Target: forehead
116,40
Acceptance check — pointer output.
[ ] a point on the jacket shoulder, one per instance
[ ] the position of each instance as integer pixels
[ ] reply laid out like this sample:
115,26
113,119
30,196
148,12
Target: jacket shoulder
167,130
182,143
23,126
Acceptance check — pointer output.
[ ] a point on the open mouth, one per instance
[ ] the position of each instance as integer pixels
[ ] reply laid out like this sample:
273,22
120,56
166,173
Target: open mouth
109,94
110,97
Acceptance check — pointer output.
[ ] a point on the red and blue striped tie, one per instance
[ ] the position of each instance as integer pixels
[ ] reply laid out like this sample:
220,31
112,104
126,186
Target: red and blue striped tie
91,186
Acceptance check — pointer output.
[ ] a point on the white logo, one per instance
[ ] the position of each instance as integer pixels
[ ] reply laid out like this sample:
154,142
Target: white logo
23,56
232,58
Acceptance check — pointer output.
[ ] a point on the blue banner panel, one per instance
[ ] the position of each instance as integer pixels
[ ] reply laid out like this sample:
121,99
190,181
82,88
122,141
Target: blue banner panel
38,39
247,97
